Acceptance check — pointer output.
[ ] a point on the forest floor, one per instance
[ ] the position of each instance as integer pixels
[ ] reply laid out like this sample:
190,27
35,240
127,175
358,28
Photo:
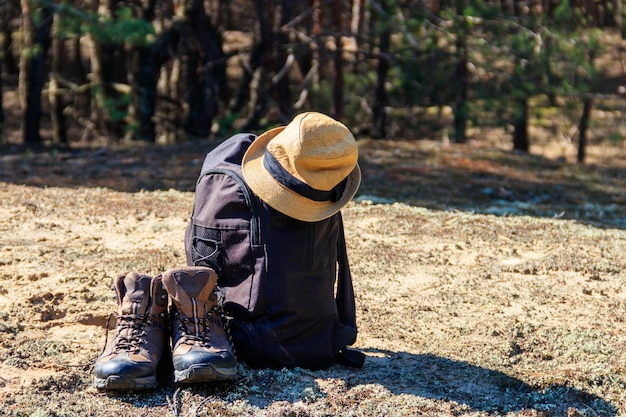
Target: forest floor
488,283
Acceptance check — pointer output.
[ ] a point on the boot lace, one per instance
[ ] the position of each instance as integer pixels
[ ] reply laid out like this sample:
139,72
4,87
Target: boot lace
203,324
129,341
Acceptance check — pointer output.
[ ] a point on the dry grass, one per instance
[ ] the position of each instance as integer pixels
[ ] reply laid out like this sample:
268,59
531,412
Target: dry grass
487,284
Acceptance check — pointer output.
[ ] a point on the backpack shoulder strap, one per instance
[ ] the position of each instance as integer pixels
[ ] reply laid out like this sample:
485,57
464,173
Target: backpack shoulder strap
345,291
346,307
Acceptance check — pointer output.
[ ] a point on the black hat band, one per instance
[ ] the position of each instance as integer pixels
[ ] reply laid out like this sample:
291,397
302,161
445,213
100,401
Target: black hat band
280,174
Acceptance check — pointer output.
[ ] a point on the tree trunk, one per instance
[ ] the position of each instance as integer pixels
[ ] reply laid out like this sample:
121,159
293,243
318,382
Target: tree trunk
316,29
380,101
34,68
582,129
78,73
97,111
150,59
143,78
26,42
144,93
520,126
283,94
255,72
59,133
460,104
259,49
196,124
338,67
206,71
2,135
619,17
355,21
113,71
108,67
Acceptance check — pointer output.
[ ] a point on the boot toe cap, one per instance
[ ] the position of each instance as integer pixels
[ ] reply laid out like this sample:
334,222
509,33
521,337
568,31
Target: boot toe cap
224,359
124,368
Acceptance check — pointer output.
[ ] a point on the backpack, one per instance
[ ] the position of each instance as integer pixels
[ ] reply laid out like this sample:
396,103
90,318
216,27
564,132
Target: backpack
286,284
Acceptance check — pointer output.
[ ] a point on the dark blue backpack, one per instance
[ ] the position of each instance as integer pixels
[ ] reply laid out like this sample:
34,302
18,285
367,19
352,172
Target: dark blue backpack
287,287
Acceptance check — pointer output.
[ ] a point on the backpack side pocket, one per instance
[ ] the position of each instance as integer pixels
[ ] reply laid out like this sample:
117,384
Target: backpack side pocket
224,234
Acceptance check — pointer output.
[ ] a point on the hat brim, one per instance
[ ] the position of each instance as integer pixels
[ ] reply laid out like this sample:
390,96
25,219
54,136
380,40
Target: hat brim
282,198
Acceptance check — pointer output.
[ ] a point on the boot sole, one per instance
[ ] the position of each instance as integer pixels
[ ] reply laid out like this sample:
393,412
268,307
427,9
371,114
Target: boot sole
116,382
204,373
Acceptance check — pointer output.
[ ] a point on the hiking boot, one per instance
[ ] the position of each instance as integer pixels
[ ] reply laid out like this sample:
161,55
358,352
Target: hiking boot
129,361
201,349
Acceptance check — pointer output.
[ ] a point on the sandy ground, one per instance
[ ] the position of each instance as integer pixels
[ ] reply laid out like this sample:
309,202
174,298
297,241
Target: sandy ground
487,284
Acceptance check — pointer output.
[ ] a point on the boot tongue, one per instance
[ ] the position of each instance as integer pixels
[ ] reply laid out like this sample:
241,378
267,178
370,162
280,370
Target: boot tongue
197,291
191,288
134,291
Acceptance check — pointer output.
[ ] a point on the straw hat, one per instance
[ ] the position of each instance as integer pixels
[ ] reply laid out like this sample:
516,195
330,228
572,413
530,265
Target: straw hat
307,170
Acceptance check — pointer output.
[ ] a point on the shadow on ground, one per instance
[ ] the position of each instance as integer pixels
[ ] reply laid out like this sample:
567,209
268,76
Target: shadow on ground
493,181
465,388
478,388
423,173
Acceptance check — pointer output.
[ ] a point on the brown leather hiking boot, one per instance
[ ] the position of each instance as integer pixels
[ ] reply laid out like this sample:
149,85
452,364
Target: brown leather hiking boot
130,359
201,349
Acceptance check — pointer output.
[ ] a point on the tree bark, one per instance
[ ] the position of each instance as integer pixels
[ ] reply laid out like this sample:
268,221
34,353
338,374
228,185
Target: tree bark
582,129
2,135
59,132
520,126
619,17
254,75
206,71
108,67
460,75
143,79
338,85
355,21
97,111
380,101
150,59
34,68
316,29
283,94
